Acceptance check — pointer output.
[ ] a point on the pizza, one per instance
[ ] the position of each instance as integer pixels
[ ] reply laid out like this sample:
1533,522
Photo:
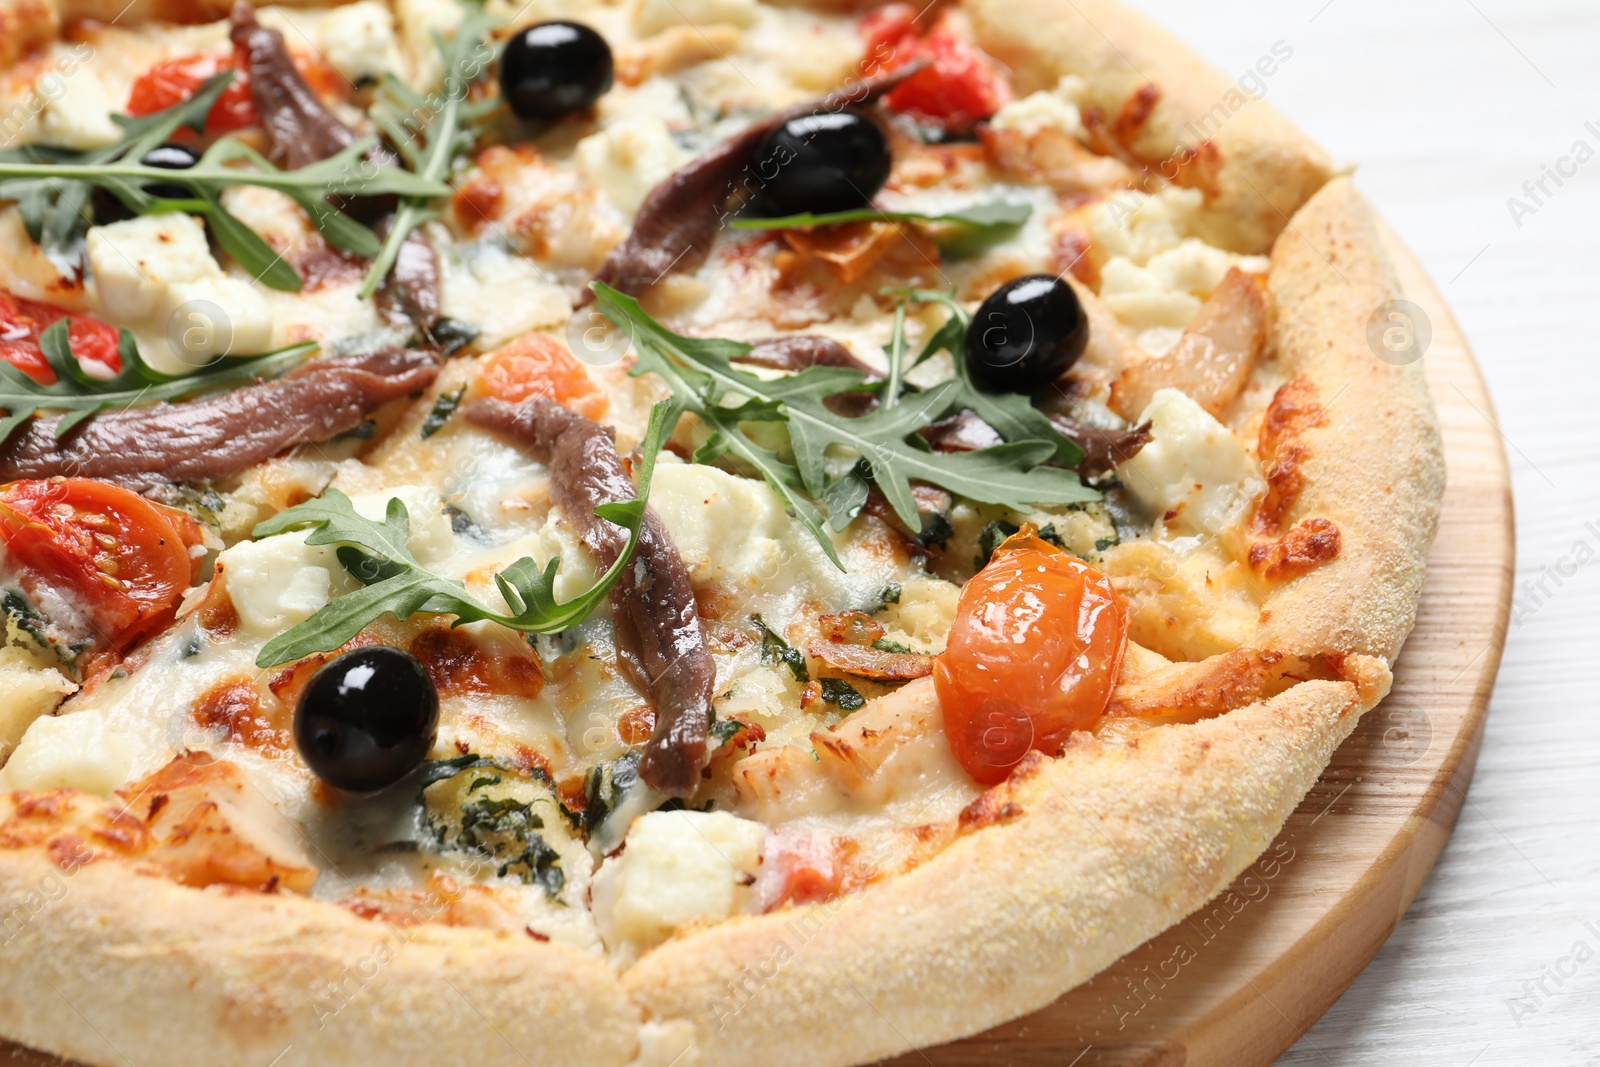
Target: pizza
660,532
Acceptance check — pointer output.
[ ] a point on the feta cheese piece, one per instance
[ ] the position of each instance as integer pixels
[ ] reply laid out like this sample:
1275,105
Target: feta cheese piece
1194,469
1138,225
78,115
358,40
1048,108
30,692
432,538
213,317
1198,268
134,261
679,867
656,15
420,21
1137,296
629,158
280,581
503,295
76,751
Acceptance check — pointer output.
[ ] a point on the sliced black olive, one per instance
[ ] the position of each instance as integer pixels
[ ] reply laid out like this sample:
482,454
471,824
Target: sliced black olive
554,68
1026,334
170,156
819,163
367,719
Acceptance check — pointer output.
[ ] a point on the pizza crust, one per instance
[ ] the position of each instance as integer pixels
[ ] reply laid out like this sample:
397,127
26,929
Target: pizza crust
1263,168
1373,463
1114,845
105,965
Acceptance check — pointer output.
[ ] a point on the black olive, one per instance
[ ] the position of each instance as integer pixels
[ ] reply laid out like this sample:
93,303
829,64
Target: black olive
170,156
367,719
554,68
820,163
1026,334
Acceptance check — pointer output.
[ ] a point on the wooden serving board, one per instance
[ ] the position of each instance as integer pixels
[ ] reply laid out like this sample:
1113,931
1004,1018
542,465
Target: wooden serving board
1240,981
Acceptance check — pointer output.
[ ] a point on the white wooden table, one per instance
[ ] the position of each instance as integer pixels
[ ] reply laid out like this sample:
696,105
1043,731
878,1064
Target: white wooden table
1448,107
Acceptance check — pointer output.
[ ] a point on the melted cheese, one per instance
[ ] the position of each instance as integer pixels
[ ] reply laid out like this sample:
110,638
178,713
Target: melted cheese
676,869
77,751
1195,472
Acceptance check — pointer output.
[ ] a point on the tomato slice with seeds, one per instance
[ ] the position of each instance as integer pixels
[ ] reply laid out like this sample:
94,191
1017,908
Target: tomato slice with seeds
1034,652
536,365
122,560
23,320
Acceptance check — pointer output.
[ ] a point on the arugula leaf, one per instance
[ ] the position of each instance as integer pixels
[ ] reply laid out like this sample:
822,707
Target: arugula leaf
53,209
703,380
429,132
395,583
79,395
997,213
51,186
1011,414
443,408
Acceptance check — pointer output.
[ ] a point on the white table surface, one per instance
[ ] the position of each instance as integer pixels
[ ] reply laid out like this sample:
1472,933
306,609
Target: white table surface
1448,107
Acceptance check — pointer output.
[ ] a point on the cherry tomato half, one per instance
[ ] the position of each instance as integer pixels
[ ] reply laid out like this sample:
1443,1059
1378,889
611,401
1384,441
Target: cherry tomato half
1035,649
536,365
21,323
960,85
176,80
121,559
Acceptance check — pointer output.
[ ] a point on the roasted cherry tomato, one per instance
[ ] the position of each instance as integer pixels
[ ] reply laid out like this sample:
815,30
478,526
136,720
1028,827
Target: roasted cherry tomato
1036,646
122,560
536,365
960,86
21,323
176,80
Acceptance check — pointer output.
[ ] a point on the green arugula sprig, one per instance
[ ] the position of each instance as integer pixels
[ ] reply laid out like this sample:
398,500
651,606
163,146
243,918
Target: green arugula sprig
78,394
376,553
970,228
703,380
429,132
52,185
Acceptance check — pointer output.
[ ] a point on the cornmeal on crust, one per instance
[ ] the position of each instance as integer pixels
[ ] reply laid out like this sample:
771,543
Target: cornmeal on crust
829,884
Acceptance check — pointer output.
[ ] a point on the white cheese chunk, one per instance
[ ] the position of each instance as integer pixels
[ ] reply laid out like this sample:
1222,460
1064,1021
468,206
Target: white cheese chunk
420,21
78,115
656,15
1198,268
213,317
1194,469
432,539
76,751
679,867
26,692
280,581
1138,225
503,295
134,261
358,40
629,158
1046,109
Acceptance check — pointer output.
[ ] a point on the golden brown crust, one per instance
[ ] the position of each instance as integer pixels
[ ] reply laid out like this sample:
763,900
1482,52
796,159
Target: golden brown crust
108,966
1360,439
25,26
1196,124
1113,845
